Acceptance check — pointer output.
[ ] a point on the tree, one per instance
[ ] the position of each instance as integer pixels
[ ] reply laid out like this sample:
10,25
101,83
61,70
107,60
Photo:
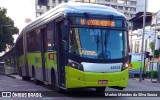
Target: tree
7,29
151,44
156,52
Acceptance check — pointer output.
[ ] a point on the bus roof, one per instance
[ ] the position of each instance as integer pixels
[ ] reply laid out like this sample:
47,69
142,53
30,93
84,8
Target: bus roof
73,7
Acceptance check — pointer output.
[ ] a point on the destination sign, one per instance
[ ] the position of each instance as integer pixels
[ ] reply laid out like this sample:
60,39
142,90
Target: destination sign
97,22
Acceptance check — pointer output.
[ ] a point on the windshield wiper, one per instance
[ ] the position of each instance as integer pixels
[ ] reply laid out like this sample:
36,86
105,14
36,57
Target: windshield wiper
105,55
106,39
97,41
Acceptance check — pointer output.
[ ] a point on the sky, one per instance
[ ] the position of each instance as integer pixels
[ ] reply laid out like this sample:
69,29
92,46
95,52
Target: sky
153,5
19,10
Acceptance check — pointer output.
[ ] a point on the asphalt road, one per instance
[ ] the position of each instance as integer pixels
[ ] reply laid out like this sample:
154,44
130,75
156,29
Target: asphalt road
16,84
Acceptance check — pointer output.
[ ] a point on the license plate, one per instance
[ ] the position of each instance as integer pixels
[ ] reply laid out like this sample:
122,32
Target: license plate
103,82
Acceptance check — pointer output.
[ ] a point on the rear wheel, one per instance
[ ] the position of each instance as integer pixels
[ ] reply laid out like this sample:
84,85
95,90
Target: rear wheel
37,82
100,89
20,72
25,78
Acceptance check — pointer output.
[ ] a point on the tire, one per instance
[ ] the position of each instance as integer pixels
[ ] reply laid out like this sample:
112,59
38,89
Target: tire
26,78
37,82
54,83
100,89
121,88
20,72
118,88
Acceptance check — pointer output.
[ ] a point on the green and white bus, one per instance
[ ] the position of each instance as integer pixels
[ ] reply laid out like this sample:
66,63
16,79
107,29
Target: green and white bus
75,45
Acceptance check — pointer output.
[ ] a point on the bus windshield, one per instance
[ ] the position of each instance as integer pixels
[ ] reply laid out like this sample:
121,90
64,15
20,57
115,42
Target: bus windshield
98,43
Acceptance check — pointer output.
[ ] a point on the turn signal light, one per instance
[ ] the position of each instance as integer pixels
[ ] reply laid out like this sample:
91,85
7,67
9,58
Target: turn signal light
130,65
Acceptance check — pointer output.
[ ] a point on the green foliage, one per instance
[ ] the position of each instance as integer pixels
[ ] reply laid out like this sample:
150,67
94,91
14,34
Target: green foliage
151,44
148,74
7,29
156,53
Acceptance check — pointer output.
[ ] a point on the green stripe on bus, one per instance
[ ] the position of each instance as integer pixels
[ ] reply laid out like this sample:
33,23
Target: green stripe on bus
21,60
36,60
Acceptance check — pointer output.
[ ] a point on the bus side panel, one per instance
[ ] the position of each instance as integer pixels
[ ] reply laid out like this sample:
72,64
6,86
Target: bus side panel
50,63
34,59
21,64
74,78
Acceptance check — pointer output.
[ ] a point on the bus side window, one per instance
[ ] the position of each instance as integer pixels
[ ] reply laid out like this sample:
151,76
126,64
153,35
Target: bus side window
50,44
20,47
33,43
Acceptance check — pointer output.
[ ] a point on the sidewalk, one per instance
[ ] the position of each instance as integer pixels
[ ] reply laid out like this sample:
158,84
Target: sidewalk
146,79
14,76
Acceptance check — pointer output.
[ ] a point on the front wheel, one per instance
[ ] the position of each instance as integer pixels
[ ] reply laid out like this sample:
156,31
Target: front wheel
100,89
54,83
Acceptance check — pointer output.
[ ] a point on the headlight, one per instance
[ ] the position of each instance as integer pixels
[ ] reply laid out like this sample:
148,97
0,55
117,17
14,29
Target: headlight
76,65
125,66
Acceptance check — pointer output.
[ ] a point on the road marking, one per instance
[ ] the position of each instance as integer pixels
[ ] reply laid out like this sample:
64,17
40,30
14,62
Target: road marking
18,85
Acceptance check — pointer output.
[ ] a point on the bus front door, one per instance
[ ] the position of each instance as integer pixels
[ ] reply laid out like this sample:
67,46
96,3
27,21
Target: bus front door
43,36
60,54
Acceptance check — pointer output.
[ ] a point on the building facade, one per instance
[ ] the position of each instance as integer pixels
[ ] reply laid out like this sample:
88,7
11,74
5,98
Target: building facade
151,34
128,7
46,5
140,5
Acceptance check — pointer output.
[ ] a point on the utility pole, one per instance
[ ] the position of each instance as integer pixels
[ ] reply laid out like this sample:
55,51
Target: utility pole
142,48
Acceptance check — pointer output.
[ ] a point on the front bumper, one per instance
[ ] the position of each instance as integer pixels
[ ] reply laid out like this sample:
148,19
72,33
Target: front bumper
79,79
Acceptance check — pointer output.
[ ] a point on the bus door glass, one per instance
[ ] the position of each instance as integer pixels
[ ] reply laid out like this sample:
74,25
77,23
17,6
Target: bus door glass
43,36
60,53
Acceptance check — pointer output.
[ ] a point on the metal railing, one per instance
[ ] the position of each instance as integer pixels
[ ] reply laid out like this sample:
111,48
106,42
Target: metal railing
151,68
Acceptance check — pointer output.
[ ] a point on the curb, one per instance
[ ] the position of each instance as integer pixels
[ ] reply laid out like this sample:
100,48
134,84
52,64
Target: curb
147,80
10,75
